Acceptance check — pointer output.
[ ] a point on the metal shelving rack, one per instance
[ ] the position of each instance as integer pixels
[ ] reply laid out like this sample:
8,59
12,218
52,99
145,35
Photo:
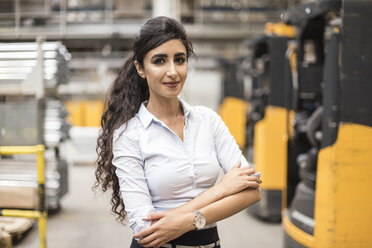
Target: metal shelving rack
41,213
31,114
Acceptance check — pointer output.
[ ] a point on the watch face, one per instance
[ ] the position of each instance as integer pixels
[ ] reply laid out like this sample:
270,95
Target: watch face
200,222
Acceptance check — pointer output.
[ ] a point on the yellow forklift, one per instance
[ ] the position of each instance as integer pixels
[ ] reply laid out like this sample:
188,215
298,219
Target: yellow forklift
328,87
268,117
258,73
234,108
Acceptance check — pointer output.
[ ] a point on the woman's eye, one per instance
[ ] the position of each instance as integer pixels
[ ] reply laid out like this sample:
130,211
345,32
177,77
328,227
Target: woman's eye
180,60
159,61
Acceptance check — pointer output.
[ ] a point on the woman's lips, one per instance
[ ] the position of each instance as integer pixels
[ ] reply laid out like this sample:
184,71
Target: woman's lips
171,84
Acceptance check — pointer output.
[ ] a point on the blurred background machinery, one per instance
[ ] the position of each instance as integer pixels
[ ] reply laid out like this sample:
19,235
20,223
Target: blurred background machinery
334,117
308,110
269,117
308,104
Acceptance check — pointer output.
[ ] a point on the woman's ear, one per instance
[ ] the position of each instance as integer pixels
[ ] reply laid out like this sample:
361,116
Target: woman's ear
139,69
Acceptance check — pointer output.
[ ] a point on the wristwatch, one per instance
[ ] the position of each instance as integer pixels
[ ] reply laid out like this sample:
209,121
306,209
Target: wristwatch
199,221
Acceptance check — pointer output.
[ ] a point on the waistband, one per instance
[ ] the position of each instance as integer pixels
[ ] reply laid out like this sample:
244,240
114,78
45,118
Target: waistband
204,238
201,237
213,245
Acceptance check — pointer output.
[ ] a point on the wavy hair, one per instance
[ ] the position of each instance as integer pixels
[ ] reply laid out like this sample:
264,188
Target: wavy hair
124,98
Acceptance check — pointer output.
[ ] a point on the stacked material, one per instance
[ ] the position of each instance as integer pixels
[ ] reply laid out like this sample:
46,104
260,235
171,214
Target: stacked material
21,123
18,182
31,114
32,122
56,128
19,60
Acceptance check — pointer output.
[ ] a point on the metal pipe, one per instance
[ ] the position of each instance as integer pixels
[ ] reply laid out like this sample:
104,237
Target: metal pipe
17,18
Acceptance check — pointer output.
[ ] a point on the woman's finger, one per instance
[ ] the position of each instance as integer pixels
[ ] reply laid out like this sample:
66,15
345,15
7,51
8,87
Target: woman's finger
154,216
253,181
146,232
255,185
248,170
146,241
253,178
155,241
238,165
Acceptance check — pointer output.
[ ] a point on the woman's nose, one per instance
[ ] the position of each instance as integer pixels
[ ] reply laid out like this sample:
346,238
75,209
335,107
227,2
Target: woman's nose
171,70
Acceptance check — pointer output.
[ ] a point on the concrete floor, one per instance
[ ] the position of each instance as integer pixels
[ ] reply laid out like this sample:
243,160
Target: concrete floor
85,221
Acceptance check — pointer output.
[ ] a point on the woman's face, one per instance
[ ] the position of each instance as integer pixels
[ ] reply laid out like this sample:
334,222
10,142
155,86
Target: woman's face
165,69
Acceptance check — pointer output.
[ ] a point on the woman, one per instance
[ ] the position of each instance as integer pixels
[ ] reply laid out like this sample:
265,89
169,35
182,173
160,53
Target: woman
161,156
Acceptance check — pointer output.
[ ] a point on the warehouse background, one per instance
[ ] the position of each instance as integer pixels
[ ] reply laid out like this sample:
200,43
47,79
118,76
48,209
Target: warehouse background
262,64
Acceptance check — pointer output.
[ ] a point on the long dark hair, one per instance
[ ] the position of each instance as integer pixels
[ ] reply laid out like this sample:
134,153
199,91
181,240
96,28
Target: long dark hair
124,98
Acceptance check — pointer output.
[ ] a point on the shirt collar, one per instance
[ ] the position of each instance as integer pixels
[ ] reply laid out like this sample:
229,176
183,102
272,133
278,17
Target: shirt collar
186,108
146,117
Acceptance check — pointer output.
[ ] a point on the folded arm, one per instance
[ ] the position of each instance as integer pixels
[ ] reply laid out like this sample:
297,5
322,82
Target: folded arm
171,224
236,180
235,192
133,186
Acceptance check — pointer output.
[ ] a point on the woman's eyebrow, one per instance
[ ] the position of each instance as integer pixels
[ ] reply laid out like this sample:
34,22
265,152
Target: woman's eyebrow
160,55
163,55
179,54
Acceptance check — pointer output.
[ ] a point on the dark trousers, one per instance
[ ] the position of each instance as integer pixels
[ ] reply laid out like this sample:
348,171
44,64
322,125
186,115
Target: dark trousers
192,238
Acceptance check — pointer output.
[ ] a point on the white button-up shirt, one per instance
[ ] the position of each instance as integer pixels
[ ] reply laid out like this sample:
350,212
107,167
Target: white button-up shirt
157,171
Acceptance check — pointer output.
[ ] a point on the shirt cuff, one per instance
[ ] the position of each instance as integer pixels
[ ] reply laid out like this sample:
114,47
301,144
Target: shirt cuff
140,225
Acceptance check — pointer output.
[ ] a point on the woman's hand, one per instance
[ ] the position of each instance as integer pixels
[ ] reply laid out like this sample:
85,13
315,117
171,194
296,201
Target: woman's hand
238,179
165,226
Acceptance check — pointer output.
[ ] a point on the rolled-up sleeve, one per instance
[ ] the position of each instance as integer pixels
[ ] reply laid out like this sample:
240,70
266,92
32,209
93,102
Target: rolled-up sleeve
133,186
228,151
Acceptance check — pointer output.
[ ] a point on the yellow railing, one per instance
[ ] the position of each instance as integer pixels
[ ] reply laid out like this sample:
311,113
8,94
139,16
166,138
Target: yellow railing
41,213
